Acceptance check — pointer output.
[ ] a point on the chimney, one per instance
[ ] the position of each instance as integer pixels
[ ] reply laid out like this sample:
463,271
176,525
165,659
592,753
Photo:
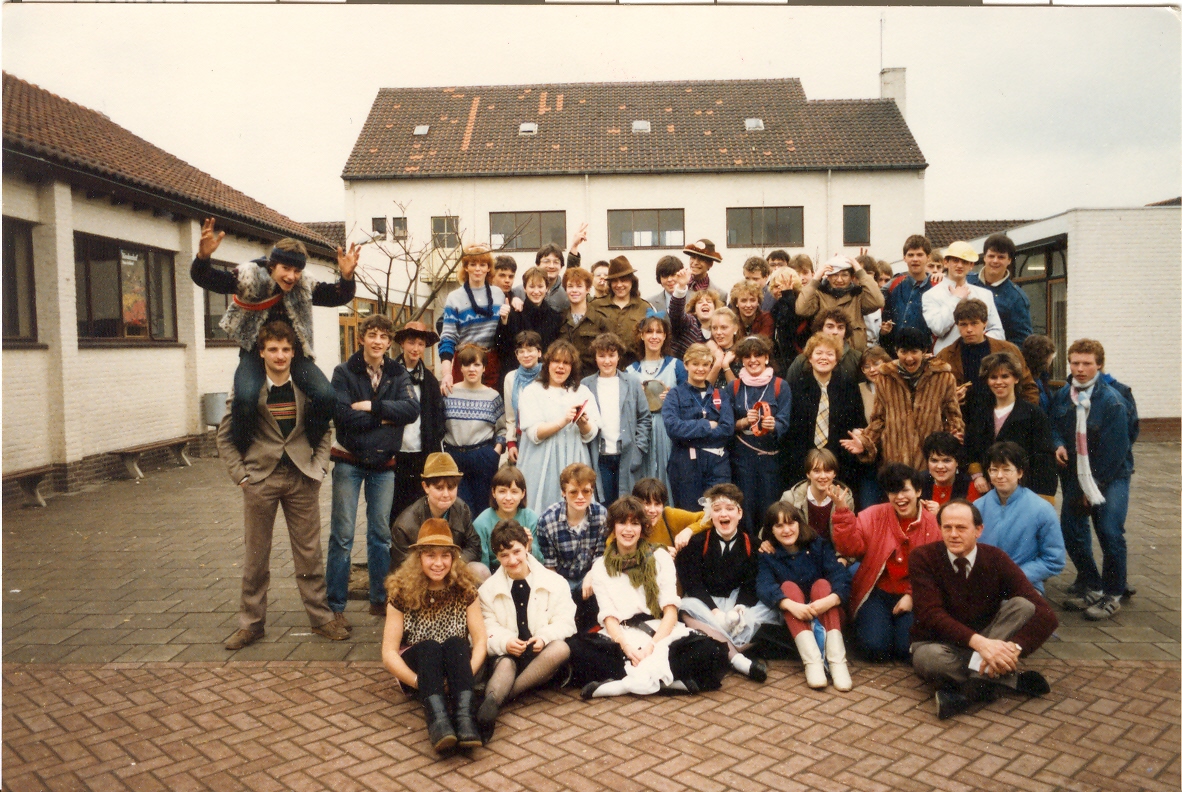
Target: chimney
893,85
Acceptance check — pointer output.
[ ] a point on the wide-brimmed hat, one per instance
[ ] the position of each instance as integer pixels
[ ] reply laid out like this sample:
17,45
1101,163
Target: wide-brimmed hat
619,267
419,330
703,248
434,532
440,465
961,250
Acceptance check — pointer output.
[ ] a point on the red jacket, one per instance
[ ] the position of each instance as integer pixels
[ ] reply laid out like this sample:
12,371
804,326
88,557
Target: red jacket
872,537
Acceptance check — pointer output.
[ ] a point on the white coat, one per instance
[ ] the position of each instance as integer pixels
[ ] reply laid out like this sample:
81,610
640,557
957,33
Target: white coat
550,612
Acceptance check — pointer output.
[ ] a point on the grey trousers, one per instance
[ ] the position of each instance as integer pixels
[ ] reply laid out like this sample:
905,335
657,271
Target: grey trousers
300,498
943,662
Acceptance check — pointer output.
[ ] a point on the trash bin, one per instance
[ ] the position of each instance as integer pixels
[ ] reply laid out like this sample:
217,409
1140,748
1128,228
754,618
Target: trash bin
213,408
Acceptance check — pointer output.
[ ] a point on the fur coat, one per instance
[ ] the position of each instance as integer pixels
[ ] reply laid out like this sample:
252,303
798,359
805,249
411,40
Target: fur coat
902,420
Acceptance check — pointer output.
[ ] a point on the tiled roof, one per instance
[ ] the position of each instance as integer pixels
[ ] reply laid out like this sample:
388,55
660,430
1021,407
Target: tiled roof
333,231
942,233
44,125
587,128
1167,202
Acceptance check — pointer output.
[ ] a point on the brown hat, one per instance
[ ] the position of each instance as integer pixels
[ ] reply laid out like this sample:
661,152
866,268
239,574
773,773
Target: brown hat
440,465
419,330
434,532
703,248
619,267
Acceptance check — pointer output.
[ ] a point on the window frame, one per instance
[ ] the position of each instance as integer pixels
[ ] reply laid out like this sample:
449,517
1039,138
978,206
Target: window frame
751,224
379,228
11,227
454,221
611,243
538,216
845,234
397,231
1048,280
210,327
83,256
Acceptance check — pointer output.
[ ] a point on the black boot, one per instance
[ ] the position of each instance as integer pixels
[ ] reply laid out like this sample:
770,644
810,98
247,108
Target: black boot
466,731
439,729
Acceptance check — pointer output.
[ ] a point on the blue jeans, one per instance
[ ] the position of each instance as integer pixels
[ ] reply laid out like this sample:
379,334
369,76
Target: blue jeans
249,378
1109,521
479,465
881,635
609,477
379,494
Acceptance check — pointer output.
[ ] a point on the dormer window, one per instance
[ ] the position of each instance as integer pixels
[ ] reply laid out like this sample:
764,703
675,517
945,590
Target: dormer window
527,129
422,129
753,124
641,127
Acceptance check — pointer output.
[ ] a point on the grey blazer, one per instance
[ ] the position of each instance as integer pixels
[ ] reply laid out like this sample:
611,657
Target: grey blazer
636,422
269,445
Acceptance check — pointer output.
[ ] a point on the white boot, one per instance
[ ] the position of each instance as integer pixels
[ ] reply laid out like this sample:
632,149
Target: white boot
810,654
835,654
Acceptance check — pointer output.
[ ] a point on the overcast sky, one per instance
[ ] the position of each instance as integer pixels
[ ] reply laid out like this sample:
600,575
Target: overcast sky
1021,112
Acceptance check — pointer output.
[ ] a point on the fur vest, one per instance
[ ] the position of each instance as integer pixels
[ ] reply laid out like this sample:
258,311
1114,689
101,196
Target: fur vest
255,285
902,419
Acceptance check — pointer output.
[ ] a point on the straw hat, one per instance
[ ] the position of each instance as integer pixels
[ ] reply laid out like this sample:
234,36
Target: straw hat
435,532
961,250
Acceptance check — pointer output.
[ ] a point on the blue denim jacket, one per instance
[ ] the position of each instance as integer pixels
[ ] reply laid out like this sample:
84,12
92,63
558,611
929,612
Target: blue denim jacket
1110,451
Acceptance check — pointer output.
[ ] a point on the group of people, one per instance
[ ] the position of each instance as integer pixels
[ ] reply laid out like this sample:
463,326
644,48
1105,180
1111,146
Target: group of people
638,495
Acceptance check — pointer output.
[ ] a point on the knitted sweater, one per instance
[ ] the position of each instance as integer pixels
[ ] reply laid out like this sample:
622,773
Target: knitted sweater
464,324
474,416
1027,529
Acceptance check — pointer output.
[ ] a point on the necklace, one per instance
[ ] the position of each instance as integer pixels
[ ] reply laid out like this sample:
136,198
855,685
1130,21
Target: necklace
651,367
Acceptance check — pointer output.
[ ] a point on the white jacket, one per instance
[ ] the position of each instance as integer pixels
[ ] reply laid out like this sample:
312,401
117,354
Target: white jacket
938,305
550,612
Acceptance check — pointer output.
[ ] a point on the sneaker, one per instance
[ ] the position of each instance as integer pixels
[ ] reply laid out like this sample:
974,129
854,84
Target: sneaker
243,638
332,630
1083,601
377,609
1103,609
339,617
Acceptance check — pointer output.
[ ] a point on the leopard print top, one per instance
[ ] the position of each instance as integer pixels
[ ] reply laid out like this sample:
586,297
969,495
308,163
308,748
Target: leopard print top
444,615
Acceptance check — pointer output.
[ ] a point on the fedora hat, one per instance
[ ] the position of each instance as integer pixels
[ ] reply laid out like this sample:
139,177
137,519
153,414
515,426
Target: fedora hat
440,465
434,532
419,330
703,248
961,250
619,267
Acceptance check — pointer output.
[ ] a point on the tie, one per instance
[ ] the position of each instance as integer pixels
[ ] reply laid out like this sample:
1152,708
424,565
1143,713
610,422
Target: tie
821,433
962,567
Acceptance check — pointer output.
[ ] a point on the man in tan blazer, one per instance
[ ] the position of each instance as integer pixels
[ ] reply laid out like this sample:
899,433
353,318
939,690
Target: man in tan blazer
279,468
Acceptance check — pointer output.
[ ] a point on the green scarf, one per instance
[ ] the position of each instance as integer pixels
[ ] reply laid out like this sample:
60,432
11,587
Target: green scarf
641,568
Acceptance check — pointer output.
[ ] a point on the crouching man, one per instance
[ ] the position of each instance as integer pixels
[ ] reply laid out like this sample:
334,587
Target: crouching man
976,614
279,467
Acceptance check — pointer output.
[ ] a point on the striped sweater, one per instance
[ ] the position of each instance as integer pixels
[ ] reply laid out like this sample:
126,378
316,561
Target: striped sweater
463,324
474,416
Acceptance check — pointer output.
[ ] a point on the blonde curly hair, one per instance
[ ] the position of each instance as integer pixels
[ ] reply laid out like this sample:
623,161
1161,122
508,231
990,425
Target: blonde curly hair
408,584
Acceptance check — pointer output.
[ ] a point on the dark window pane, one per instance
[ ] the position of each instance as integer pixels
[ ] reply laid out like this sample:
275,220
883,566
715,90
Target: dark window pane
81,289
379,227
106,309
444,232
619,228
856,225
134,282
215,307
645,228
1032,265
1058,328
738,227
672,225
1037,292
500,228
529,231
163,313
554,228
398,227
769,234
19,303
790,226
1058,264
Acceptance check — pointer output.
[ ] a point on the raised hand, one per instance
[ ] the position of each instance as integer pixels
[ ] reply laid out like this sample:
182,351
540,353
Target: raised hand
579,238
209,240
347,261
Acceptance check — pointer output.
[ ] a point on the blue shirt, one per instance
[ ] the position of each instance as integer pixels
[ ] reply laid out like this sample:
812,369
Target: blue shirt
1027,529
904,304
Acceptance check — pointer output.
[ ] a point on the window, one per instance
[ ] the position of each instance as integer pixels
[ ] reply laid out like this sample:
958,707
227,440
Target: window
1040,269
422,129
398,228
215,307
645,228
753,124
641,127
379,227
765,227
855,224
20,307
527,230
123,290
445,232
527,129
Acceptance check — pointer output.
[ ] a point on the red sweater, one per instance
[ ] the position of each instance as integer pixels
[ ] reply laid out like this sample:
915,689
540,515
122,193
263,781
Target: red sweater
951,609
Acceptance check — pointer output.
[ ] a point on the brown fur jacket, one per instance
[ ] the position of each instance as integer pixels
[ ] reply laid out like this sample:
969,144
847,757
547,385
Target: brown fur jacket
901,420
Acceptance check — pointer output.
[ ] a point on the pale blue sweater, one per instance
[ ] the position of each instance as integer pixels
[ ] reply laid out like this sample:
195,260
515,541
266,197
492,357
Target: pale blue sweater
1027,529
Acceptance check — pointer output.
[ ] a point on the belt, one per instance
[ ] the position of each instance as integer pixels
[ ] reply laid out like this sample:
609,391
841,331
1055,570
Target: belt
449,447
639,622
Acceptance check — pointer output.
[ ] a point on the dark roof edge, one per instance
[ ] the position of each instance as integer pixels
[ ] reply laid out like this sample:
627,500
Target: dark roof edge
533,86
633,172
183,204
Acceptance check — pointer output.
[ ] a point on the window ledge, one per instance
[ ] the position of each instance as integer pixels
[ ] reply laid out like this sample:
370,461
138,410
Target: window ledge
220,342
23,343
126,343
651,247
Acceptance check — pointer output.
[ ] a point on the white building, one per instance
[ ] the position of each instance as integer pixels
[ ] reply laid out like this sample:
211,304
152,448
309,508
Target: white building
108,344
749,164
1112,275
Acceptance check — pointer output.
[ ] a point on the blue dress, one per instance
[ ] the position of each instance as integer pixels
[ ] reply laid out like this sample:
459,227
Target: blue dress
670,371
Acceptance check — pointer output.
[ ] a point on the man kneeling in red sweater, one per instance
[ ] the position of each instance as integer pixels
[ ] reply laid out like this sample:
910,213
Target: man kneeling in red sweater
975,615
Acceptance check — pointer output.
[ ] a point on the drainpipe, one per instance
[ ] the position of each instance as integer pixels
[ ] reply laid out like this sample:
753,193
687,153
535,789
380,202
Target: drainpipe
587,198
828,184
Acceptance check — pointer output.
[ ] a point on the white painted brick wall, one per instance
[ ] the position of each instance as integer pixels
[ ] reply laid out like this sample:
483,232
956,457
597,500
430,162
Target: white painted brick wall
132,396
26,425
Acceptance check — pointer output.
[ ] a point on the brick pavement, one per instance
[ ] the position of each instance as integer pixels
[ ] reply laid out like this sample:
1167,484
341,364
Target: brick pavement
107,591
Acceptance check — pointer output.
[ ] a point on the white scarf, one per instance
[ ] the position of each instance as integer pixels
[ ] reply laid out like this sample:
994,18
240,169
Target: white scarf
1081,394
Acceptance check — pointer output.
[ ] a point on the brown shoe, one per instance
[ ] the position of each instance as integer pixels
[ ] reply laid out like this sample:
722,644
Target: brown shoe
243,638
339,617
332,630
377,609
